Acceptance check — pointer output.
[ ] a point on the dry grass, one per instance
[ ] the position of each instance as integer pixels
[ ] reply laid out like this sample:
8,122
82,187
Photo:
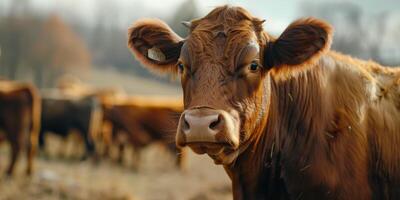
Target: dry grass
157,179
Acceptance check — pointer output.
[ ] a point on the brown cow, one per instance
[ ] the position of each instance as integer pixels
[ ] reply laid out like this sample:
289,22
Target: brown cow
141,121
287,117
20,120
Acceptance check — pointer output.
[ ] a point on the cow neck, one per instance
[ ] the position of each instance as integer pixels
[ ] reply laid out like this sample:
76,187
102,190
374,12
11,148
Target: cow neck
299,112
259,172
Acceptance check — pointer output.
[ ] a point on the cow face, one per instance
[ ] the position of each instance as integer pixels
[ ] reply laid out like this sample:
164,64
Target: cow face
224,65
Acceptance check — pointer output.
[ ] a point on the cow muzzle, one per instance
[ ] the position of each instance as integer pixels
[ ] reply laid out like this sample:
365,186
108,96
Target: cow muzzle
211,131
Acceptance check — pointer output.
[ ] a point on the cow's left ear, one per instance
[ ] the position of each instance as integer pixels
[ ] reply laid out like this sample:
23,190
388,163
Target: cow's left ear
155,45
303,41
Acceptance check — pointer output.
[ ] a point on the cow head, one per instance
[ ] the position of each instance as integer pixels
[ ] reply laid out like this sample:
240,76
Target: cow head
224,65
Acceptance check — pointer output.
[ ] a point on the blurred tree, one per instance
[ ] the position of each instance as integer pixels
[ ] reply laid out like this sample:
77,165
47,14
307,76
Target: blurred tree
357,33
15,28
385,39
45,47
108,41
56,49
375,37
15,33
346,18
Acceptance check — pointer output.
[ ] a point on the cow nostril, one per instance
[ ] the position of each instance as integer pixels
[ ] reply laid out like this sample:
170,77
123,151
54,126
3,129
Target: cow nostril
186,125
215,123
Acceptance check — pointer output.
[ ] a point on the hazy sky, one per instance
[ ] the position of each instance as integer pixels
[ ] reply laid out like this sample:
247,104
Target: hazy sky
278,13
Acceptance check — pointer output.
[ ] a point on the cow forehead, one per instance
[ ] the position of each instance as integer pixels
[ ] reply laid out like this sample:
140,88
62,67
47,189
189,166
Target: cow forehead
218,39
218,47
213,32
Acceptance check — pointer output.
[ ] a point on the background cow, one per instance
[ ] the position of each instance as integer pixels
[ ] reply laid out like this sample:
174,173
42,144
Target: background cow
62,114
19,120
286,117
141,121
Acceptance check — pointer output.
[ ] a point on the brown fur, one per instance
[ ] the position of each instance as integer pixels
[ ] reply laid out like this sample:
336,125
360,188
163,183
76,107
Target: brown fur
20,120
315,124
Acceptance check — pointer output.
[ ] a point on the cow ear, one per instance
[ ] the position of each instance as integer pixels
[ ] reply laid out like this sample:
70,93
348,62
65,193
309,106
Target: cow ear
155,45
303,41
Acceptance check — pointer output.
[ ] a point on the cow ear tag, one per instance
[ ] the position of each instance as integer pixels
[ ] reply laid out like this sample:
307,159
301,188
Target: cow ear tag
156,54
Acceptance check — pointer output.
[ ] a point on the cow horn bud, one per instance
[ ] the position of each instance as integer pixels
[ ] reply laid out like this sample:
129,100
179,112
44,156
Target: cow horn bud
186,24
259,22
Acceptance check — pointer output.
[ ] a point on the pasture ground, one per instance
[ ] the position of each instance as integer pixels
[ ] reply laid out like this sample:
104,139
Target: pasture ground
65,177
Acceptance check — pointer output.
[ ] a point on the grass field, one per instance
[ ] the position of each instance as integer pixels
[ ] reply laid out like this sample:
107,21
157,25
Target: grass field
64,177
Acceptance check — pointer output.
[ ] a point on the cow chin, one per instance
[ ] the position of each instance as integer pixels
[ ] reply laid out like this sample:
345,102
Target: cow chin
221,153
210,131
225,158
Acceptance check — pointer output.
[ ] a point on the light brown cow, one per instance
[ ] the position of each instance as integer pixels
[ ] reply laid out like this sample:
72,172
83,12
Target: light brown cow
140,121
287,117
20,120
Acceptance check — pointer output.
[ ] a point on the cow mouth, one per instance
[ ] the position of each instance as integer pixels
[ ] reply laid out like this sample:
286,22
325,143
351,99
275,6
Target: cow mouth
221,153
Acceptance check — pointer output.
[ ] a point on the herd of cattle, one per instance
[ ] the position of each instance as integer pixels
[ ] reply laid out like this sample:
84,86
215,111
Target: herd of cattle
102,117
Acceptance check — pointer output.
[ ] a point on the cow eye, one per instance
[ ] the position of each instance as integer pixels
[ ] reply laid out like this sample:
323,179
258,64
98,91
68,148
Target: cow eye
254,66
181,67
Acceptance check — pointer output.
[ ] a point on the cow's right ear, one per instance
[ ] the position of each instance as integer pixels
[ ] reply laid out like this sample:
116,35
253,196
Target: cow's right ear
303,41
155,45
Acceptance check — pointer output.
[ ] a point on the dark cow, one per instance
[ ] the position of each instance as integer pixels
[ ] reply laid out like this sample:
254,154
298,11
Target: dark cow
73,87
19,120
141,121
287,117
62,114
